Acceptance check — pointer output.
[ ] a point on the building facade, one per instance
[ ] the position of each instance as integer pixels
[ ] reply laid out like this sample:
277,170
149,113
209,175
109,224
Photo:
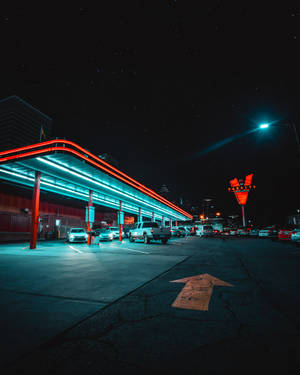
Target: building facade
21,124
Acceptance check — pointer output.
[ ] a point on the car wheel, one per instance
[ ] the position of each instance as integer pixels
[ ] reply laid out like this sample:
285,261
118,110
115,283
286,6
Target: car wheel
146,239
164,240
131,239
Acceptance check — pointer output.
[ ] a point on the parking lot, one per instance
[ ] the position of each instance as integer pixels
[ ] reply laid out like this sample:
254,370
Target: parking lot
73,308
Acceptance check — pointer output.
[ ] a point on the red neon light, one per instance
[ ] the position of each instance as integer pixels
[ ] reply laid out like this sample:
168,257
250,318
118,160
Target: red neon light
248,179
153,194
241,196
234,182
66,149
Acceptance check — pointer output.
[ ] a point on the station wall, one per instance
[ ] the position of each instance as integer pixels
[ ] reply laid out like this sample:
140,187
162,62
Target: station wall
15,218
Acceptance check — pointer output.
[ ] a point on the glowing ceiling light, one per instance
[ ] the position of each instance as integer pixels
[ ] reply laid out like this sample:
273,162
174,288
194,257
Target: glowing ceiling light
105,186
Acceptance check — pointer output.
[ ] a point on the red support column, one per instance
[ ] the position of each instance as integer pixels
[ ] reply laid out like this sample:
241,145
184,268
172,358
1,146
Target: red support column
120,225
89,226
35,210
163,221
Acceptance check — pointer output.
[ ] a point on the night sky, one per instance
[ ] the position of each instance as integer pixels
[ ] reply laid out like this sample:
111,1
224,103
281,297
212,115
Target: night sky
158,85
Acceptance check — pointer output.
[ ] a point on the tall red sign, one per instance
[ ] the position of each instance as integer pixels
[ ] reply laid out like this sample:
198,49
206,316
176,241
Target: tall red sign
241,189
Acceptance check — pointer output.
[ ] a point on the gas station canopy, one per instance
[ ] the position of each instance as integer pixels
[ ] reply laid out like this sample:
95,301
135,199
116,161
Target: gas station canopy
70,170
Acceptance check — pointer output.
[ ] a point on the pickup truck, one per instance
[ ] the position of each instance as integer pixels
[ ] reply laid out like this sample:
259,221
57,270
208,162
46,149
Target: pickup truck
148,231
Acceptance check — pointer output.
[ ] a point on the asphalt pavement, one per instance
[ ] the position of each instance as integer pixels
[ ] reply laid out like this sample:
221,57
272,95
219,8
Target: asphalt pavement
194,305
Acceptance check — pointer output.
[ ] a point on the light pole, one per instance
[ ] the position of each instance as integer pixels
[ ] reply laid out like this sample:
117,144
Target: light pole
289,123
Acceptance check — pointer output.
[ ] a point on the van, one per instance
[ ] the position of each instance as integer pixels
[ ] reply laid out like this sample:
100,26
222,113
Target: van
204,230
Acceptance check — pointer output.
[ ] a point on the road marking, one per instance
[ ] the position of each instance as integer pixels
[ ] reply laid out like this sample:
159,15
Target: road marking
195,295
126,248
137,251
71,247
26,247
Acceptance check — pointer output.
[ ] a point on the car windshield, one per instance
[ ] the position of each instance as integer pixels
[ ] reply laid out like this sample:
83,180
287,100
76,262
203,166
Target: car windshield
150,225
114,228
79,230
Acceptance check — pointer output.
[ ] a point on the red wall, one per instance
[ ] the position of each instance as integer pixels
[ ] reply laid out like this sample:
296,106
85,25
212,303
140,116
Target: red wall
13,219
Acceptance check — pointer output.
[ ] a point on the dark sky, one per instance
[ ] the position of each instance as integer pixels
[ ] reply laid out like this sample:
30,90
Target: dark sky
156,84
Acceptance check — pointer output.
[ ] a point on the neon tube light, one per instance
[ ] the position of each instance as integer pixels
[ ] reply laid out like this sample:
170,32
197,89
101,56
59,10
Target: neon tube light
103,185
51,149
141,187
86,195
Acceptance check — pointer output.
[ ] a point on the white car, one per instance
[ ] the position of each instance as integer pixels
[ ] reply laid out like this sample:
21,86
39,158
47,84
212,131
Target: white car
264,232
105,234
115,231
295,235
77,235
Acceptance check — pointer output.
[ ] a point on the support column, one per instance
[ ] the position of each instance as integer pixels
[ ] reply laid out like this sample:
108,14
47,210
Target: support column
243,215
153,217
120,224
176,223
35,210
89,224
163,221
140,215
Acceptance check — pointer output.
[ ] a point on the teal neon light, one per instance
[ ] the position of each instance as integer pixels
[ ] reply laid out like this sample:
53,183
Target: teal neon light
65,169
106,200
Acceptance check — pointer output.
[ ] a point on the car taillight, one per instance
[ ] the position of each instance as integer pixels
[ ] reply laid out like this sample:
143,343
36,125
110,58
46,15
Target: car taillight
152,230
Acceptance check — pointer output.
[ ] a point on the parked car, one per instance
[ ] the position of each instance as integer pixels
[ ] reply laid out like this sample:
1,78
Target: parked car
266,232
175,232
226,232
183,231
77,235
148,231
233,232
189,229
284,234
204,230
242,232
105,234
127,229
254,232
115,231
273,232
295,235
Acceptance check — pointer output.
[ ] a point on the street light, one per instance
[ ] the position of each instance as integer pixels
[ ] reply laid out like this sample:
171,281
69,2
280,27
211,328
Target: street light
264,126
289,123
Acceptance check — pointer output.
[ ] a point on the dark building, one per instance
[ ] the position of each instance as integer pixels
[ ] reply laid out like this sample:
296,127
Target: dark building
21,124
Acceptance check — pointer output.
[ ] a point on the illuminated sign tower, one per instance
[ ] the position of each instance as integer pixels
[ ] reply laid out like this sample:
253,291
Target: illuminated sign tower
241,189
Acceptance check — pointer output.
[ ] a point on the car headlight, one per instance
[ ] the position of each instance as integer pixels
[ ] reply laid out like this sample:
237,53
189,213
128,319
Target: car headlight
71,235
110,235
